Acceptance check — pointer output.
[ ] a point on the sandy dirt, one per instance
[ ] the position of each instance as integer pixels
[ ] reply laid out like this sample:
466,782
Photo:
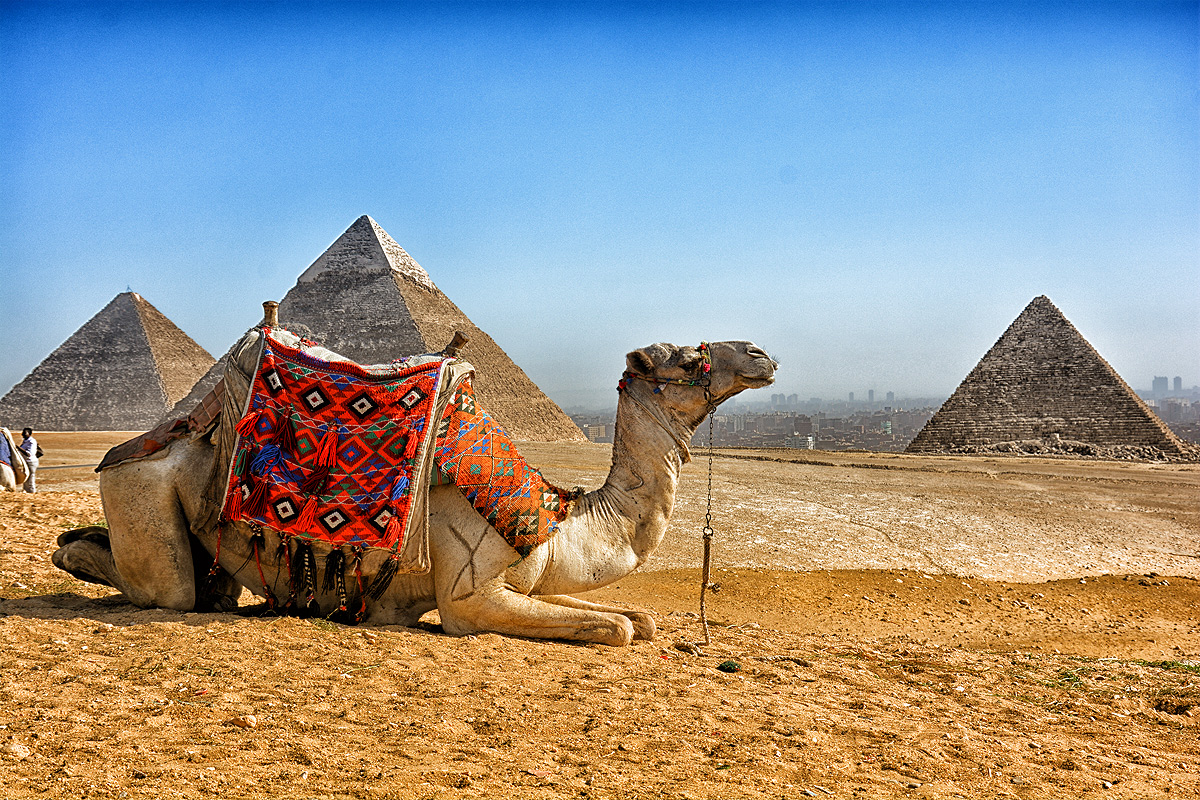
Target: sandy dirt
898,626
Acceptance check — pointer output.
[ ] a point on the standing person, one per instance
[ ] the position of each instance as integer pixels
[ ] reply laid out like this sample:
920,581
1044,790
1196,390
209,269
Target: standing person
29,447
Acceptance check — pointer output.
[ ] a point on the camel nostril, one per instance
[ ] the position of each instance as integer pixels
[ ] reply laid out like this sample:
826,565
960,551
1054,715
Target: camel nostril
757,352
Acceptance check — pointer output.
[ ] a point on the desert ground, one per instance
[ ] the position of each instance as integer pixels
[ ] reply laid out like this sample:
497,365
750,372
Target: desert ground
884,626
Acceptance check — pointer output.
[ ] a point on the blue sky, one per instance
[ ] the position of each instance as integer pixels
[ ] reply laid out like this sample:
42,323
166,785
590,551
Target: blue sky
871,191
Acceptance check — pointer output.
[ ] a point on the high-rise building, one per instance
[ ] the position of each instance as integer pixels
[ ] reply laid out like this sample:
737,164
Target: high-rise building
852,397
1178,383
870,395
1160,385
891,397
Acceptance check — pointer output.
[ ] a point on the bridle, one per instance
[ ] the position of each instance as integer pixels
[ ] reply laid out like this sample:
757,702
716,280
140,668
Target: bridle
704,381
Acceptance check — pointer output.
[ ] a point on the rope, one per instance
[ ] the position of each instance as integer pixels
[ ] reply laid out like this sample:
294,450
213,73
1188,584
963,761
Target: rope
708,531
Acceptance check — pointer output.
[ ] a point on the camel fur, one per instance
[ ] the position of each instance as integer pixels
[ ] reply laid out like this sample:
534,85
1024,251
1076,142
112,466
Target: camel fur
156,552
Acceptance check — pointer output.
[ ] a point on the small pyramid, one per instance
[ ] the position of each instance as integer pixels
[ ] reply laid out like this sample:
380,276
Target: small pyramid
367,299
1043,381
123,370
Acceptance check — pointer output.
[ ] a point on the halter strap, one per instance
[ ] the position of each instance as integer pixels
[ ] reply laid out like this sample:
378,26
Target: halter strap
704,381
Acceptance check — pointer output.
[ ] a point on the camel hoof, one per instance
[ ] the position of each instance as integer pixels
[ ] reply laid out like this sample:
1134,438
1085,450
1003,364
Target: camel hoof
616,631
643,625
82,559
92,533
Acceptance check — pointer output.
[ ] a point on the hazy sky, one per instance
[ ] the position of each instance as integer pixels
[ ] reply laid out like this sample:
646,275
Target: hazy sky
870,191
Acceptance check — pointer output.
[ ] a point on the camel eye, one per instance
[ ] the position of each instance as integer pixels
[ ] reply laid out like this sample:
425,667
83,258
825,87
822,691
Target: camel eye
690,362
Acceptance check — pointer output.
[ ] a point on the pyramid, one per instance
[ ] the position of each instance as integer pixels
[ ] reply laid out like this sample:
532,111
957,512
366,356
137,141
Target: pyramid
123,370
368,300
1043,381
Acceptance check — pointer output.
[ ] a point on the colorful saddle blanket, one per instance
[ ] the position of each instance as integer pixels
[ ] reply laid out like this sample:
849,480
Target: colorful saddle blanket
475,454
338,452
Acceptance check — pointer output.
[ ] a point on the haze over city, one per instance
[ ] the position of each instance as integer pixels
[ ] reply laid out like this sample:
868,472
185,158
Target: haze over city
871,191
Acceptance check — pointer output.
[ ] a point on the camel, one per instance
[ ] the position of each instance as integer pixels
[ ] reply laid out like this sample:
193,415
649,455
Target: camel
157,556
12,477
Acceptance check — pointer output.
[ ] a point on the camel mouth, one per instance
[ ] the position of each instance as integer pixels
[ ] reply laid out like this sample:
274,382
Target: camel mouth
764,374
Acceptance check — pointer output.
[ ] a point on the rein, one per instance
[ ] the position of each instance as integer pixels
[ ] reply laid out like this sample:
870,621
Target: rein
704,382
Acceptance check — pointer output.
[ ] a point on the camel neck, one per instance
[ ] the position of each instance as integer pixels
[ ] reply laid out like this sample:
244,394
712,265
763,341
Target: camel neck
644,476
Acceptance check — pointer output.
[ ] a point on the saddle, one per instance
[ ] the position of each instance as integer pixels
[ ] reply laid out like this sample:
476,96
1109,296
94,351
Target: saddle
340,455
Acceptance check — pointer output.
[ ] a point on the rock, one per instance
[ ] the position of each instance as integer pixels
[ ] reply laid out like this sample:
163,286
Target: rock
687,647
1019,781
15,749
729,666
244,721
964,602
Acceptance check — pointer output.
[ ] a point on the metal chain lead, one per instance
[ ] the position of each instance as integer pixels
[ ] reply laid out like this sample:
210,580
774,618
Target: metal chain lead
708,530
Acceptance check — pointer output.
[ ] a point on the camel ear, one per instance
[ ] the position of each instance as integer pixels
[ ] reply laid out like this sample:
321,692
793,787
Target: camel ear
639,362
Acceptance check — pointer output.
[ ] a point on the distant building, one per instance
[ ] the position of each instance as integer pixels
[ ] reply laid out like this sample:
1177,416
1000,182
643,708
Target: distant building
852,394
1160,385
1178,384
891,397
870,395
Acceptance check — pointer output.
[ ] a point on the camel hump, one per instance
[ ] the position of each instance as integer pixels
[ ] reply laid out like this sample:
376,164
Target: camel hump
94,533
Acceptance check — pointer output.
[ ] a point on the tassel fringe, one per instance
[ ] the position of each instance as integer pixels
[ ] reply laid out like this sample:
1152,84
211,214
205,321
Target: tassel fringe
327,451
308,516
383,578
246,424
314,483
334,563
256,503
267,459
398,489
233,506
287,434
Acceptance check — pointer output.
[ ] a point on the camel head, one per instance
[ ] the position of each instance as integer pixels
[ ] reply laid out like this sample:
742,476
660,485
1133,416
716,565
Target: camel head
678,374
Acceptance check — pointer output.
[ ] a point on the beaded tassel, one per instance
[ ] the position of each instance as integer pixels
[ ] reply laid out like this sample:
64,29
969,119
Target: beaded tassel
384,577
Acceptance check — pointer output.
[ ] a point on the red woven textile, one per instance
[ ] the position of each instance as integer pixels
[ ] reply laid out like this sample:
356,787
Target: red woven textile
326,450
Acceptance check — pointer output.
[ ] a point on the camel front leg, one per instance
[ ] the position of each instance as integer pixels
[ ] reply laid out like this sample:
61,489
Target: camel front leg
481,585
501,610
643,623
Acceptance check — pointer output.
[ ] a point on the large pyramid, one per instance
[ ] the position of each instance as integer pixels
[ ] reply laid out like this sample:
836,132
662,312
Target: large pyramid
1043,381
123,370
370,301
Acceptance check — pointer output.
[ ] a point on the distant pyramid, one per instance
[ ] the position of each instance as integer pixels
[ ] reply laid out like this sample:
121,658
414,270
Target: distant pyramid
1043,381
123,370
368,300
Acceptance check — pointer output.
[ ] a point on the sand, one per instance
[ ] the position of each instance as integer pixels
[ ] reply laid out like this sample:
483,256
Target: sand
898,626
